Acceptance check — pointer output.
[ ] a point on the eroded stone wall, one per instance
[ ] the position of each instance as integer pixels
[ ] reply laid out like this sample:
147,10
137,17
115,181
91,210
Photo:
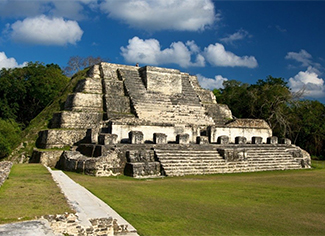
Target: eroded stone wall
171,131
247,128
5,167
166,81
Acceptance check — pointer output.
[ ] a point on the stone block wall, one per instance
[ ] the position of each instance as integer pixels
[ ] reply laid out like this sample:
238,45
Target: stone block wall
47,158
5,167
116,101
76,119
108,70
107,165
141,163
166,81
89,85
59,138
248,128
84,102
122,131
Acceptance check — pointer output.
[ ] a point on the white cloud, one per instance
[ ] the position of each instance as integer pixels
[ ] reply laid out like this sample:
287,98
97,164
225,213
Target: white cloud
306,61
11,62
155,15
149,52
303,57
209,83
308,81
218,56
239,35
46,31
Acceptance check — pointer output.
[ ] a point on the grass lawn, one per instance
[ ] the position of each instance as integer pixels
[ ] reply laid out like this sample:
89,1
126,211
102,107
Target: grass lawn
264,203
30,191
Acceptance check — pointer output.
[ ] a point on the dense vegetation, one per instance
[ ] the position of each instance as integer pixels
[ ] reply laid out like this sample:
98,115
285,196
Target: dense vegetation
9,136
302,121
24,93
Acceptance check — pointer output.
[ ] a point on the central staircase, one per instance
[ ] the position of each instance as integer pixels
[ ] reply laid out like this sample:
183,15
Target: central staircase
187,160
182,108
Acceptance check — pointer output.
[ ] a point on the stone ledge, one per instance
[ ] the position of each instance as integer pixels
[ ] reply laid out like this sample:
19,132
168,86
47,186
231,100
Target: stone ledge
69,224
5,167
248,123
46,157
59,138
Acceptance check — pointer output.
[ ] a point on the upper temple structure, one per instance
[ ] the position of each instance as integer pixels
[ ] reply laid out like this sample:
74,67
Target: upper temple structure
150,122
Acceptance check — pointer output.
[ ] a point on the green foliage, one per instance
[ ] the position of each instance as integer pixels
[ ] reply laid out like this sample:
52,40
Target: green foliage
266,99
271,99
308,126
9,136
24,92
42,120
233,95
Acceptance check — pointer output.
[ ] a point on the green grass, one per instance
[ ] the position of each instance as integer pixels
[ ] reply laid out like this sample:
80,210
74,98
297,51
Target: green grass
30,192
264,203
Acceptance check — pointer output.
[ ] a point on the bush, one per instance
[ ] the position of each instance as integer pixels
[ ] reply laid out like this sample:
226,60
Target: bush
9,136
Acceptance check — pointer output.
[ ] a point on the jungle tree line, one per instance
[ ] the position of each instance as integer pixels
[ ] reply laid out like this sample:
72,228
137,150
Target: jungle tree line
289,116
24,93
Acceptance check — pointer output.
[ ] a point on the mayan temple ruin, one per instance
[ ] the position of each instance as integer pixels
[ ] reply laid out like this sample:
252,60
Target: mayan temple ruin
150,122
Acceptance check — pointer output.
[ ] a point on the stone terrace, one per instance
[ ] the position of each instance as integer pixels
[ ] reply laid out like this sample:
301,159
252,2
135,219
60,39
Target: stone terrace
150,122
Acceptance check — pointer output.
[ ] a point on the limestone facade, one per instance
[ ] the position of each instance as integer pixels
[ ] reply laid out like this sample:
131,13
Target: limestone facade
153,121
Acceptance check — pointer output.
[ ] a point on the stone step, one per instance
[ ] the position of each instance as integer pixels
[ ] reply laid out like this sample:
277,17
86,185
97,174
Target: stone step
285,154
189,156
269,160
186,150
176,171
186,162
179,161
153,106
221,163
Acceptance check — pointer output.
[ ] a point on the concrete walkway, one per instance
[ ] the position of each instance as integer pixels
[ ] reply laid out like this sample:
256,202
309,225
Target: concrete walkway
87,205
27,228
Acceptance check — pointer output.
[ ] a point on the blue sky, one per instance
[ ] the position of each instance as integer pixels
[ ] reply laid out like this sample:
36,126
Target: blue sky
215,40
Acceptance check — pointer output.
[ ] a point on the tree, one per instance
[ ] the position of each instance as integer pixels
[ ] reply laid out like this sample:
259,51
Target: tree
9,136
308,126
233,94
267,99
77,63
271,99
24,92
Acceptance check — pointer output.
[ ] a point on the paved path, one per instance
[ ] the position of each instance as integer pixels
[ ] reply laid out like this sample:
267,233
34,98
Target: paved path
27,228
87,205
